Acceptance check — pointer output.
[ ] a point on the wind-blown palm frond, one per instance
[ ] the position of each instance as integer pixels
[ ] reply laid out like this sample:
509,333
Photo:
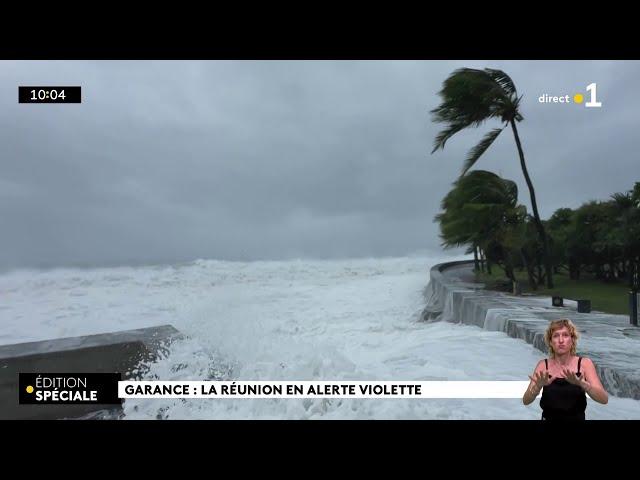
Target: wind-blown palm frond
622,200
511,189
503,80
445,135
481,207
481,186
476,152
470,97
509,88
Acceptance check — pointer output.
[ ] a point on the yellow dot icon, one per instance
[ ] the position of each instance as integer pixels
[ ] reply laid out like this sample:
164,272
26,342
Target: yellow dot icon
578,98
29,389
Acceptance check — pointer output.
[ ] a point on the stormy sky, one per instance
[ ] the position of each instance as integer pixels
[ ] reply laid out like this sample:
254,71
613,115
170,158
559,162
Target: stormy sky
170,161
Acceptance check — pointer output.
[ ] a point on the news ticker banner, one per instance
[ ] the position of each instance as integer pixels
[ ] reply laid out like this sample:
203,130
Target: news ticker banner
322,389
108,388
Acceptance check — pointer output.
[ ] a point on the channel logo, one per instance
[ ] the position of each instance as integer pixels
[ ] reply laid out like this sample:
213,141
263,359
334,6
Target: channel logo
68,388
577,98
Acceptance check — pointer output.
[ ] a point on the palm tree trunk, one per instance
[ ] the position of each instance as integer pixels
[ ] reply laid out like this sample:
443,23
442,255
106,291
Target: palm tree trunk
508,268
572,269
539,273
476,266
534,206
527,264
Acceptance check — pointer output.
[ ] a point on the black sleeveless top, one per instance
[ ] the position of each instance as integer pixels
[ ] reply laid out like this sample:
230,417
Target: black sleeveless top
562,400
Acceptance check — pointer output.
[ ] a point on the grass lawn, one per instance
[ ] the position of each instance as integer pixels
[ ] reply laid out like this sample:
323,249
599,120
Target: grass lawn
605,297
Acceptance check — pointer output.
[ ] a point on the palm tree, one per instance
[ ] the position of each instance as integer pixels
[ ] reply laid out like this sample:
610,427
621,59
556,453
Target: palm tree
469,98
481,210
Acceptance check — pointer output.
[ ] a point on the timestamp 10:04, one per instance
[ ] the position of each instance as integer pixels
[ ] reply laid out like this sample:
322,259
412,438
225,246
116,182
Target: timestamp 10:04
66,94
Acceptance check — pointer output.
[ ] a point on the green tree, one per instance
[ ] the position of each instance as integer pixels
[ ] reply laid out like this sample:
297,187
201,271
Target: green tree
469,98
623,234
587,241
559,227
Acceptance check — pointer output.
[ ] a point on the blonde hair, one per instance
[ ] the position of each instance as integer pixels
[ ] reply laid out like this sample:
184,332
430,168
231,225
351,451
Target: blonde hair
556,325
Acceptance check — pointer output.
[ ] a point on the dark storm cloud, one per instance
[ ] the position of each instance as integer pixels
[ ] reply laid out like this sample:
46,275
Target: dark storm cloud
171,161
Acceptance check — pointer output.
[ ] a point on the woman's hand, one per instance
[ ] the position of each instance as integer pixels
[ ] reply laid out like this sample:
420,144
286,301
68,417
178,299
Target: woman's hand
541,379
571,377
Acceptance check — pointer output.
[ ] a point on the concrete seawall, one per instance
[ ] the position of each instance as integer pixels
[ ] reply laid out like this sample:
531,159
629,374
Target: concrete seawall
609,340
120,352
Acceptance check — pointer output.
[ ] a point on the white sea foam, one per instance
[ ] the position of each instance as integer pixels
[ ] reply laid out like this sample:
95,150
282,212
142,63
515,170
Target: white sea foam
283,320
